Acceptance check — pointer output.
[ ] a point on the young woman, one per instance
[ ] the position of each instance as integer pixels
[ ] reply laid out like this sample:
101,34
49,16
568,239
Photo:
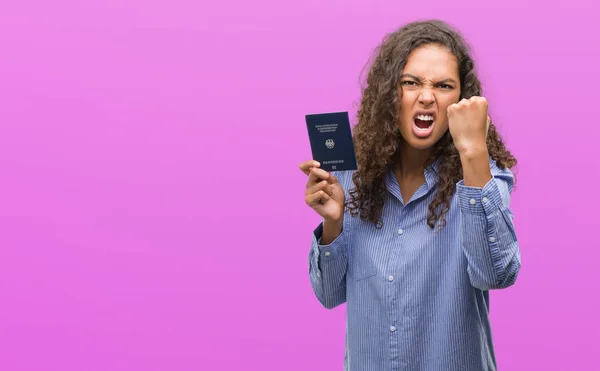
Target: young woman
414,240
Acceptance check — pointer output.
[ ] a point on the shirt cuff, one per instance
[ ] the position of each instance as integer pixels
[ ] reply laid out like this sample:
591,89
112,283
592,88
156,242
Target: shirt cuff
331,251
476,200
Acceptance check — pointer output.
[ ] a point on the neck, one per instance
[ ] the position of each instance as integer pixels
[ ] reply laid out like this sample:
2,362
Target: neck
410,162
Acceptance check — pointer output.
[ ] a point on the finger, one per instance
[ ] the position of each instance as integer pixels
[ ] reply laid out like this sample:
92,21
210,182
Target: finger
316,175
312,179
307,165
451,108
332,179
316,198
320,186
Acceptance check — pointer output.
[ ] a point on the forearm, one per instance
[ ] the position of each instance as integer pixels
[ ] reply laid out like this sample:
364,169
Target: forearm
489,239
328,265
331,230
476,166
492,251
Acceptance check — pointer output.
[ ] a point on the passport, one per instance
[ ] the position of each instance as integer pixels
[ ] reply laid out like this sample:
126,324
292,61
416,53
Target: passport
331,141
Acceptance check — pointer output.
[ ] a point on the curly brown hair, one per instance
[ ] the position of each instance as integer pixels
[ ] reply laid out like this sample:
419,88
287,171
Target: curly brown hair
377,136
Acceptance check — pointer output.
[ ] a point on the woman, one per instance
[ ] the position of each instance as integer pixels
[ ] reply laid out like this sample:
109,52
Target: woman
414,240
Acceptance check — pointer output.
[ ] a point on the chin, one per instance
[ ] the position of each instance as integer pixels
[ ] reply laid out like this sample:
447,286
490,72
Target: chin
421,144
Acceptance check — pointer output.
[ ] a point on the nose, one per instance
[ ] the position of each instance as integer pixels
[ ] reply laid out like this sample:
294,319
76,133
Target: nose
426,97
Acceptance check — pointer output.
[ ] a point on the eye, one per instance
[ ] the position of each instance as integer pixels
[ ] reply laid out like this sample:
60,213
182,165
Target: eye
409,83
446,86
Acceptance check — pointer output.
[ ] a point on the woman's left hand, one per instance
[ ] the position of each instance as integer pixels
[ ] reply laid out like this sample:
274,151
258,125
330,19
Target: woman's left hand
468,122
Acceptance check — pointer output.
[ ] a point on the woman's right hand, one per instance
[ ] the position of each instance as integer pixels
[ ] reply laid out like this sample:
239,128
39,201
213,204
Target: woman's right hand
324,194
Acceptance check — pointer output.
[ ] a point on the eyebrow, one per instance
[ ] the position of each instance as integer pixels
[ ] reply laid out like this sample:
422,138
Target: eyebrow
419,79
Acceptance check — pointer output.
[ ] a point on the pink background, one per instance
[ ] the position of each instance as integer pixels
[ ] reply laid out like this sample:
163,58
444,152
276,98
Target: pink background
151,209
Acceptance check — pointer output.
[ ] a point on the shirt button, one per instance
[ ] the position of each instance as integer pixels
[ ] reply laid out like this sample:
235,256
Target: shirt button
390,278
400,231
485,200
327,253
472,201
392,328
492,239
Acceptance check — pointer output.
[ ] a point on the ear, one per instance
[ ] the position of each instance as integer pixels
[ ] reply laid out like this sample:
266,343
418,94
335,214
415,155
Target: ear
487,126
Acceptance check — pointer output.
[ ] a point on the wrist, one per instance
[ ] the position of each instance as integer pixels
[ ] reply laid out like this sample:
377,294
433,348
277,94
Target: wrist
333,223
473,150
476,166
332,228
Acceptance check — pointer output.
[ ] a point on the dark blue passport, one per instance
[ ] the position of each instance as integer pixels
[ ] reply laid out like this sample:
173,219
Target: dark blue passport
331,141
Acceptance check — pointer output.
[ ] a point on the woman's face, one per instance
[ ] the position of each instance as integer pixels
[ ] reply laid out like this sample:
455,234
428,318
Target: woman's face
428,85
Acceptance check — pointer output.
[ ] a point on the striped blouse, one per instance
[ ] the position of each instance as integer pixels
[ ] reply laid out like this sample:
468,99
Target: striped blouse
417,299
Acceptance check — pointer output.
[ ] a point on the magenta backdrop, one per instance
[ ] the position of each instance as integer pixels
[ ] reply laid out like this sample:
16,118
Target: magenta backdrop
152,213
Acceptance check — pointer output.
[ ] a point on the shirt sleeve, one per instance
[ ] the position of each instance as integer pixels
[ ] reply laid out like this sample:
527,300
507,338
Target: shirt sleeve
488,233
328,264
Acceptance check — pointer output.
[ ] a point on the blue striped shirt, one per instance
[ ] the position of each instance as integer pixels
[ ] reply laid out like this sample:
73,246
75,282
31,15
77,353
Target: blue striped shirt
417,299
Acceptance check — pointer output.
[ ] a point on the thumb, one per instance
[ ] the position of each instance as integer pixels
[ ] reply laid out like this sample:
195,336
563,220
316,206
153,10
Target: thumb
332,179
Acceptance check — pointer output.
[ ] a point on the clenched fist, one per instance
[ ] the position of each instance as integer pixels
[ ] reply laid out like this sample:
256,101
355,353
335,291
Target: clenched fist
324,194
468,122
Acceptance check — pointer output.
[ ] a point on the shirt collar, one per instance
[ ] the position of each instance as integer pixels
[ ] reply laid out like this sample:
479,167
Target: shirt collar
432,173
431,178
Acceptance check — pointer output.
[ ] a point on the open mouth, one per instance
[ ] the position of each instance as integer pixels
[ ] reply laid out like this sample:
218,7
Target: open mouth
423,123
